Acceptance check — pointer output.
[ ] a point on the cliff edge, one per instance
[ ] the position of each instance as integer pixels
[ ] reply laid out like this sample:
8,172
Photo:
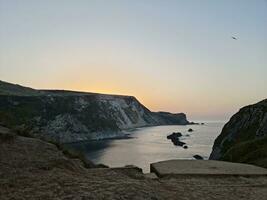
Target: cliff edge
244,138
69,116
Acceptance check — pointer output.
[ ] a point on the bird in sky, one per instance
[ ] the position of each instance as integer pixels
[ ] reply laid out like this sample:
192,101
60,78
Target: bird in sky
234,38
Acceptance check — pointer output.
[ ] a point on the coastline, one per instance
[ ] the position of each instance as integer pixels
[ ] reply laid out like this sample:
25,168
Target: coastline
154,144
25,161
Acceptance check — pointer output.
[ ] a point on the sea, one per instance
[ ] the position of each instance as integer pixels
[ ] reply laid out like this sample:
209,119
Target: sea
150,144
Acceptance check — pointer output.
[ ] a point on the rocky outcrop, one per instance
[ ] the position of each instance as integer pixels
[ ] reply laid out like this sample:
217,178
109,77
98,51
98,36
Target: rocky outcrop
244,137
167,118
67,116
174,137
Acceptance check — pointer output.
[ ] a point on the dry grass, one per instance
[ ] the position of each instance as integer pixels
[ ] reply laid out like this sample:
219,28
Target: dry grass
32,169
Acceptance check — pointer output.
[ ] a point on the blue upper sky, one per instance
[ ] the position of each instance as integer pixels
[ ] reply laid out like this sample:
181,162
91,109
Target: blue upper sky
174,55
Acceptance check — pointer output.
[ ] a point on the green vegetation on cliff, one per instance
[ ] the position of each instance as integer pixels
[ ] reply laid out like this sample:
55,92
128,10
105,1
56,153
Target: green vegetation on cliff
253,152
244,137
68,116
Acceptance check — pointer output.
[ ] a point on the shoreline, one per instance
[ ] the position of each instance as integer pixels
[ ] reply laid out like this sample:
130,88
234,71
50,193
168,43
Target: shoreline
26,160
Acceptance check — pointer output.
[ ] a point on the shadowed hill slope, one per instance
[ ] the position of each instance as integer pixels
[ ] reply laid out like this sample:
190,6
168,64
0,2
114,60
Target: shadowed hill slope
68,116
244,137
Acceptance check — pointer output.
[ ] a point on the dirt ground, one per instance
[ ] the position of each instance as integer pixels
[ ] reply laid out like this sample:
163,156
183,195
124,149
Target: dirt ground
34,169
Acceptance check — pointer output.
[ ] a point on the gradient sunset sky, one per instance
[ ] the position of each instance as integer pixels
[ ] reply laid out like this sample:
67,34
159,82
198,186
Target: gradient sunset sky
173,55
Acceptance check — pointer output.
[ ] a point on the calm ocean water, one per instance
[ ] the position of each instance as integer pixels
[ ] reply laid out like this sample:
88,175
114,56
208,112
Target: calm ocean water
150,144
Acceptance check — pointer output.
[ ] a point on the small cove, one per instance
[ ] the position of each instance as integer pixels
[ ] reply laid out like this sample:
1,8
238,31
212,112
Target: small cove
149,144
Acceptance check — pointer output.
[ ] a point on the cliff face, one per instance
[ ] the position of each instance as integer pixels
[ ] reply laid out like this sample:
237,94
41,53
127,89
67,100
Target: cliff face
66,116
244,137
166,118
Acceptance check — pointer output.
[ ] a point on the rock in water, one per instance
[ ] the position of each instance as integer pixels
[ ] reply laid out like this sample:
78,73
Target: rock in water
190,130
244,137
177,142
174,135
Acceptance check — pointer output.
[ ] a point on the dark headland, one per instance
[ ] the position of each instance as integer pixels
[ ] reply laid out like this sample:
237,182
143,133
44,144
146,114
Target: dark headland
31,167
69,116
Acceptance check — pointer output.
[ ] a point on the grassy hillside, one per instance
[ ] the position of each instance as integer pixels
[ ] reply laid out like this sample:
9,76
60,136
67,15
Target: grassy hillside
244,137
251,151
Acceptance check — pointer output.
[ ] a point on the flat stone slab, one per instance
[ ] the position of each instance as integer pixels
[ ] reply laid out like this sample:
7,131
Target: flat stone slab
205,167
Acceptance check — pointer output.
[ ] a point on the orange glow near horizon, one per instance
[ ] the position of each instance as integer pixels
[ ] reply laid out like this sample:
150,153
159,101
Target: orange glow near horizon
156,100
153,103
174,56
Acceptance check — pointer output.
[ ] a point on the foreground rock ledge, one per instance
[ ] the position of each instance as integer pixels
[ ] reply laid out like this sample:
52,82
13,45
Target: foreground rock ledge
205,168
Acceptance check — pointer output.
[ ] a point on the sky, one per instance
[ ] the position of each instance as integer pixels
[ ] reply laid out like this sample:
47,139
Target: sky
173,55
